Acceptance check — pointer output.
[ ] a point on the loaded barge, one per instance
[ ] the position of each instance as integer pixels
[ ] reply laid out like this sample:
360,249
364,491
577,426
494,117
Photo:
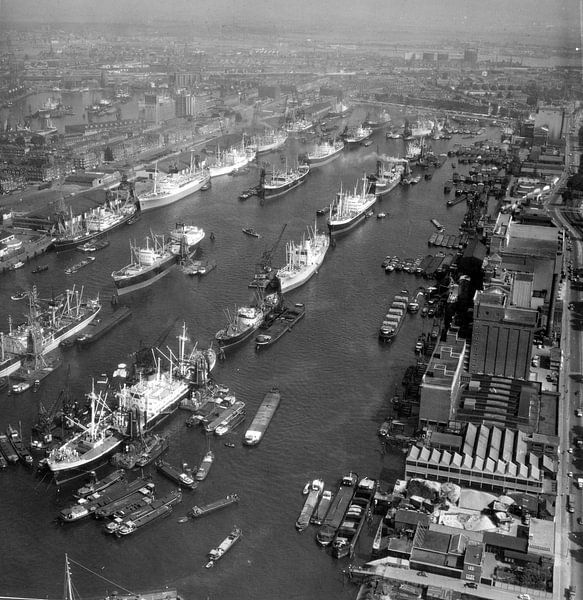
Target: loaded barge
284,322
205,509
263,417
94,332
338,507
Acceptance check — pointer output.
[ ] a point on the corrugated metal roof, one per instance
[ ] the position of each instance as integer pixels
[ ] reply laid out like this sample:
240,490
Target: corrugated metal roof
457,460
482,445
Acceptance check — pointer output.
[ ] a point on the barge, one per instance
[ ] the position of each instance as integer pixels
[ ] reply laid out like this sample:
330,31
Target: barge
263,417
178,476
284,322
338,507
356,515
205,509
94,332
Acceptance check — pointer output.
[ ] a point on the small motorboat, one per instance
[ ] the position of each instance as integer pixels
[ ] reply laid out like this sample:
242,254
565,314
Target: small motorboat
20,387
20,295
250,231
381,215
40,268
17,265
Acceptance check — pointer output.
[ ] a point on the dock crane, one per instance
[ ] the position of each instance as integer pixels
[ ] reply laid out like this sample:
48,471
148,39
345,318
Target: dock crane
263,273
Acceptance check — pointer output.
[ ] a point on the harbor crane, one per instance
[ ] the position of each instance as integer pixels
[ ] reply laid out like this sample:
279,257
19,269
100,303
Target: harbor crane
263,272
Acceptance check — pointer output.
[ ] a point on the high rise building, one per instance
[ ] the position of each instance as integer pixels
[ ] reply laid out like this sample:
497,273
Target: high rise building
185,105
471,56
503,333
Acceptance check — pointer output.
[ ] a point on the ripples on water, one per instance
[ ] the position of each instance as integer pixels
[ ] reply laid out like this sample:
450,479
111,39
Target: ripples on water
334,376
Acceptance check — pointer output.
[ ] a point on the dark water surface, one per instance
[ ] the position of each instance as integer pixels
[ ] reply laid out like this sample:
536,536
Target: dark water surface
334,376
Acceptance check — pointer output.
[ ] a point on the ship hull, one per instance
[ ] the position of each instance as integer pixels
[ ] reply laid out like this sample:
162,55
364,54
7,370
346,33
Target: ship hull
69,331
9,366
226,169
234,340
186,190
64,244
319,161
145,278
386,189
271,147
341,225
71,469
275,192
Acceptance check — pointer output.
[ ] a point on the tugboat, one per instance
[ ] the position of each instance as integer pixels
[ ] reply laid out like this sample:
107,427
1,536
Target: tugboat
218,552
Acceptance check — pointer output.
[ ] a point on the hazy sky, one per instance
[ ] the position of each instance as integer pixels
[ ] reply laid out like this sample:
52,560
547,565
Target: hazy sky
554,18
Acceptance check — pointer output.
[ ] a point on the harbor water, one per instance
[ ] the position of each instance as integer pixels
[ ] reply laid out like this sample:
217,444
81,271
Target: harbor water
335,378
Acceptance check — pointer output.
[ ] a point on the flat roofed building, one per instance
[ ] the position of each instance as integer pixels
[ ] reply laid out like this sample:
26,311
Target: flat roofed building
441,381
503,335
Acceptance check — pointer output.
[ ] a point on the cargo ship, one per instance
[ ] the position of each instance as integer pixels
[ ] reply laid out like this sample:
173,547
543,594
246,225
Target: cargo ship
246,320
148,265
268,141
95,440
279,182
338,506
185,238
349,208
174,186
155,396
116,211
263,417
47,325
394,317
387,178
231,160
358,135
303,259
325,152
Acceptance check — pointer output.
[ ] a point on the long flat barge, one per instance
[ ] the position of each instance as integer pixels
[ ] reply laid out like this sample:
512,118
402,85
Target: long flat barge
283,323
205,509
134,501
342,498
176,475
116,492
224,417
263,417
95,332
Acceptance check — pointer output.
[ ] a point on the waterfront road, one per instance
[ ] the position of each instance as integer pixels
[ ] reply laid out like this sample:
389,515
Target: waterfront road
407,576
568,533
571,467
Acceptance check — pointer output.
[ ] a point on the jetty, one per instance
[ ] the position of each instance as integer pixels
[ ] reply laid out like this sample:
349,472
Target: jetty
205,509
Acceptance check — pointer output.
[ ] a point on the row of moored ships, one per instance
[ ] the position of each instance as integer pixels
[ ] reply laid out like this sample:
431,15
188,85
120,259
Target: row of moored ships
140,404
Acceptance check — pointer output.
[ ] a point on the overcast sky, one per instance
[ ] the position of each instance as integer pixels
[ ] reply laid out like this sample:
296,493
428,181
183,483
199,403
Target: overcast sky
558,18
